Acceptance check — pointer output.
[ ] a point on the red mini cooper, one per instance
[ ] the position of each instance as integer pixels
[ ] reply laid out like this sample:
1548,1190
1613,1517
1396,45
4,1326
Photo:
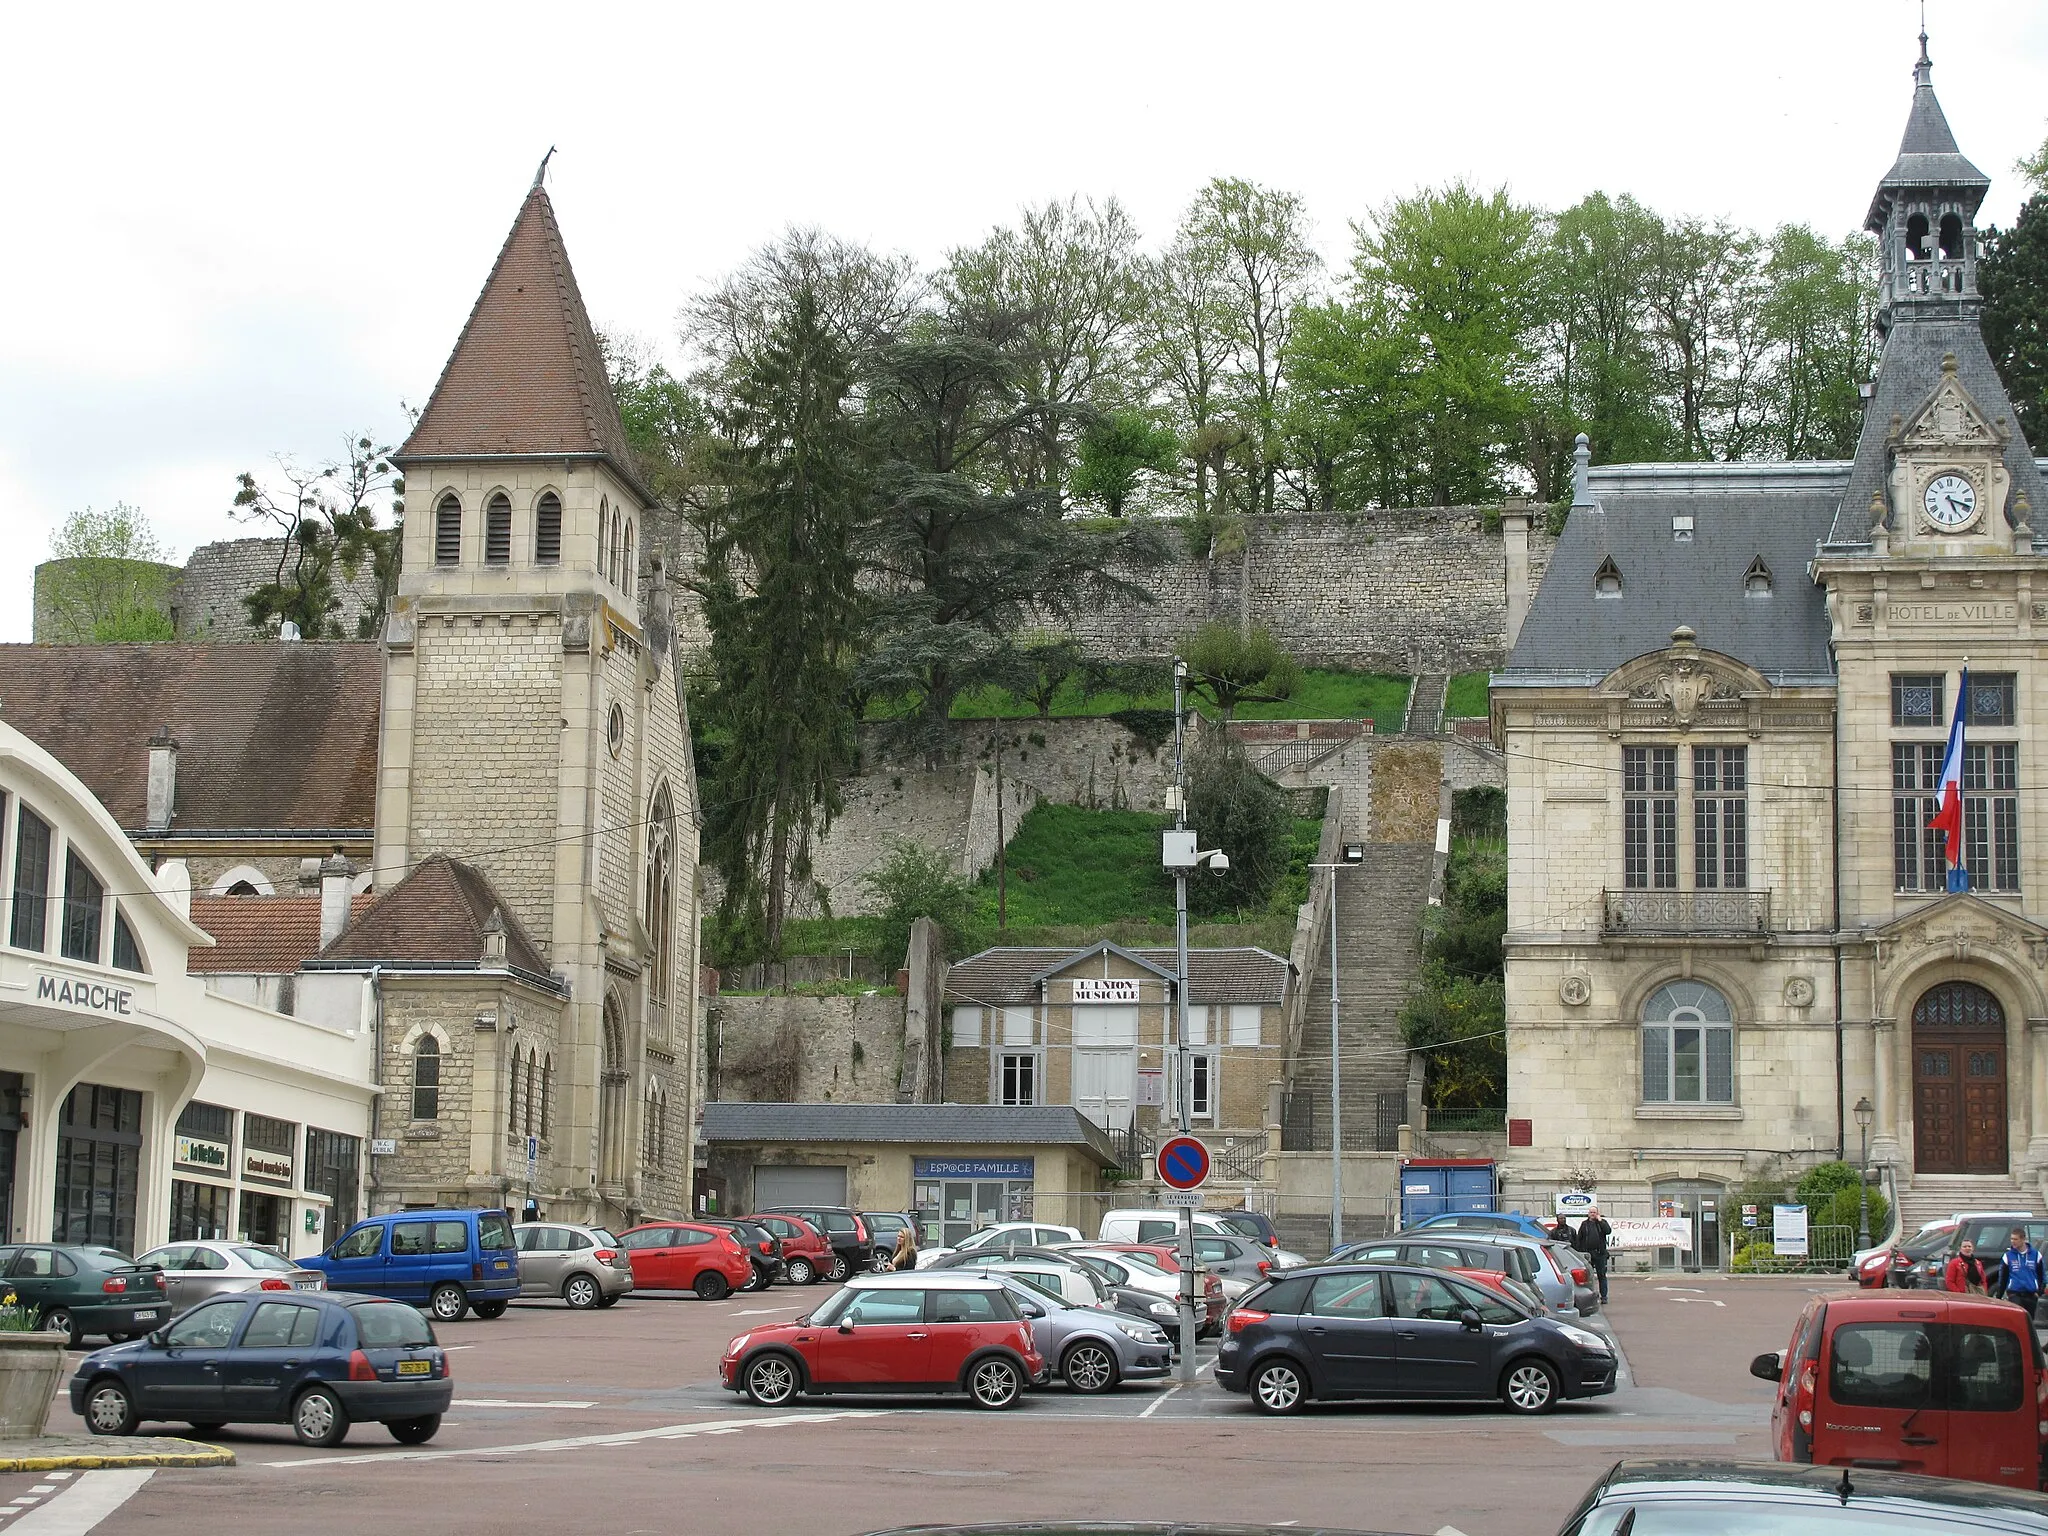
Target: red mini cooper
894,1334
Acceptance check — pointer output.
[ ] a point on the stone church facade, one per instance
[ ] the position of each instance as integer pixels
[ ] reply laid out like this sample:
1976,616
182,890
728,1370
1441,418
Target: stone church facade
1724,719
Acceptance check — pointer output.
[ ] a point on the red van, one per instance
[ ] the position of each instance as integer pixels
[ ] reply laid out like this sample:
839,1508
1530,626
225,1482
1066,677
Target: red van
1950,1386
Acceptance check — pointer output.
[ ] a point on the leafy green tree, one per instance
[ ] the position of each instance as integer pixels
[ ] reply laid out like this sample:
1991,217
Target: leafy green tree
667,422
1706,292
1041,663
1348,420
785,614
325,519
109,580
917,882
1234,666
1186,348
1116,451
1460,267
1818,318
1238,809
2013,273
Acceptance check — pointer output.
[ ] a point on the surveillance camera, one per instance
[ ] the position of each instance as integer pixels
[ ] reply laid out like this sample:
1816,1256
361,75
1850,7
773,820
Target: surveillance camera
1219,862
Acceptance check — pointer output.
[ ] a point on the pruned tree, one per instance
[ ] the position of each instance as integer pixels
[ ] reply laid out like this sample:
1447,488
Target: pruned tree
1117,451
1237,666
108,581
326,520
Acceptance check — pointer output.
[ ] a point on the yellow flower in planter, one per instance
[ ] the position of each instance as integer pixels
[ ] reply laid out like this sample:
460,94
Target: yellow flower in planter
9,1301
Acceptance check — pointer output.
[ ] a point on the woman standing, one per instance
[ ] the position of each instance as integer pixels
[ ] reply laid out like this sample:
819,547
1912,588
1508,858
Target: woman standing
1965,1273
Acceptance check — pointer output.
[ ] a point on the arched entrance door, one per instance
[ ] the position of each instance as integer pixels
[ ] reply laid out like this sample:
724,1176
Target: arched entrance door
1959,1113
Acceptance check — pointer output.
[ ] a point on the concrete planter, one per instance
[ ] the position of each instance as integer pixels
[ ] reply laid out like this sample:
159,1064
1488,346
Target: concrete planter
31,1369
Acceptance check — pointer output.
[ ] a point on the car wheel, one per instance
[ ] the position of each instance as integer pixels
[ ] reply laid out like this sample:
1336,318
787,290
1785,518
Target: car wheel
1089,1367
800,1272
994,1383
318,1418
840,1268
490,1310
415,1431
109,1410
581,1292
771,1380
58,1320
1279,1387
1530,1386
449,1303
712,1286
755,1281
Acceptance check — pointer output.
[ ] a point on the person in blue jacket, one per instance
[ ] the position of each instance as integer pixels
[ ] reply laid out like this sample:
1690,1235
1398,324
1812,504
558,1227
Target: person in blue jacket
2020,1272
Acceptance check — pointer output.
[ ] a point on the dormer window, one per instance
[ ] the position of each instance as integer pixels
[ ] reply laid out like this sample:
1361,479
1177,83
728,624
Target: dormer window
498,530
1756,581
448,531
1681,528
1607,580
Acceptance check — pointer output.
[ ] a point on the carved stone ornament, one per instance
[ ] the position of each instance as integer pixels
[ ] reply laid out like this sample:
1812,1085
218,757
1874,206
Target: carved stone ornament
1575,989
576,632
1799,992
1685,684
1950,418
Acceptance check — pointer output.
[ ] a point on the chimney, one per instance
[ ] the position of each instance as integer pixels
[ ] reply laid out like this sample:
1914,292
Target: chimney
1514,533
336,876
494,938
161,797
1582,463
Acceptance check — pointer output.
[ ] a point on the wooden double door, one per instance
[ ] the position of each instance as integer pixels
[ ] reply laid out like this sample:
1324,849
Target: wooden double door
1959,1081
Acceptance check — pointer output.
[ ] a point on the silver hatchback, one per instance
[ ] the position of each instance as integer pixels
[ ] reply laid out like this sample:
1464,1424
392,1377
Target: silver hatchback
585,1266
199,1271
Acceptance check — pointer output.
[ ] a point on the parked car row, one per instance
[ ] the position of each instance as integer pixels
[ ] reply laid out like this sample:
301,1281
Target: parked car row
1918,1262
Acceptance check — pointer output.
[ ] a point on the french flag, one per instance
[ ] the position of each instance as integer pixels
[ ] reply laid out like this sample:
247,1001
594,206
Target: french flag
1949,819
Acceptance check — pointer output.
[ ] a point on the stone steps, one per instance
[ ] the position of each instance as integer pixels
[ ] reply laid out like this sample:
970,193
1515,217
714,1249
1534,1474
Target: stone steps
1933,1197
1425,716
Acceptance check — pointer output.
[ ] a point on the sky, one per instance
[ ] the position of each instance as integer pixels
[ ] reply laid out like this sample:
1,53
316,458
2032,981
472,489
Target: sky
239,233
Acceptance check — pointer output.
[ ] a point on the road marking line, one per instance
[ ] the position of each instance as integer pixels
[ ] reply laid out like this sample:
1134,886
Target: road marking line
506,1402
1159,1402
82,1506
580,1442
761,1312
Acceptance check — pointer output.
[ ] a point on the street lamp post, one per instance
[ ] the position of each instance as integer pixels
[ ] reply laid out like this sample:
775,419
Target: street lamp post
1864,1115
1354,853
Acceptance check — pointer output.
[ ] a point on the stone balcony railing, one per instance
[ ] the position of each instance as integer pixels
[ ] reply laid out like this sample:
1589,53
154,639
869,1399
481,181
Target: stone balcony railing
1709,913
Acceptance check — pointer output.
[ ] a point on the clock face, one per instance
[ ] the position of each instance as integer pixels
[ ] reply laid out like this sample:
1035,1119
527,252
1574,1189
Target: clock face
1951,501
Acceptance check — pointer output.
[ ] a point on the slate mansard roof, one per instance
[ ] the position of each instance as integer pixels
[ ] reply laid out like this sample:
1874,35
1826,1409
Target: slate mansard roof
274,737
527,377
1740,513
930,1125
1928,153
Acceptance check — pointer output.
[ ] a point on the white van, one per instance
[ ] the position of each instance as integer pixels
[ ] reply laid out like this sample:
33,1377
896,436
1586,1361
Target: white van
1155,1227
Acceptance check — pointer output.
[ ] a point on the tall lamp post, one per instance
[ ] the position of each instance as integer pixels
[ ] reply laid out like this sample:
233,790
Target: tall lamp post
1864,1115
1354,853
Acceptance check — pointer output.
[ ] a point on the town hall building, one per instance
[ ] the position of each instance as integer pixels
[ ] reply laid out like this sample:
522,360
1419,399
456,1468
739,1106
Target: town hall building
1732,951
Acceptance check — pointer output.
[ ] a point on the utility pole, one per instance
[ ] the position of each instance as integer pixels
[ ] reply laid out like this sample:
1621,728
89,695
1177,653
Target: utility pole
1183,1071
1351,854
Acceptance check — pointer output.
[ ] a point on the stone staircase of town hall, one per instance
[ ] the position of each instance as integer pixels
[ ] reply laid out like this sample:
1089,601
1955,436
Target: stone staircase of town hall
1932,1196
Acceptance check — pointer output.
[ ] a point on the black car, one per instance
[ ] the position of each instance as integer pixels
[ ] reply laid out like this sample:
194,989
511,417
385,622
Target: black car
1790,1500
316,1360
853,1248
1394,1331
1990,1234
764,1248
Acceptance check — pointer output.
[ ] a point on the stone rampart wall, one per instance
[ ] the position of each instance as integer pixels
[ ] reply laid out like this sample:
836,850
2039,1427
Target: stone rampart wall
206,601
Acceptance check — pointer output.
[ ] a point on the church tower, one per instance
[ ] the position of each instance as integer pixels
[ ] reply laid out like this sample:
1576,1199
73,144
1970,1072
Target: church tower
533,728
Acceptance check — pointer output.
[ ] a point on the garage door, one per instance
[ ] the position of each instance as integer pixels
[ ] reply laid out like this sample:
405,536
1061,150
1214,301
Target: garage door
799,1186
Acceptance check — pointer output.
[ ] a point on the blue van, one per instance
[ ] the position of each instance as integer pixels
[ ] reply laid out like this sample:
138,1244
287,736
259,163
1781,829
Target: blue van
447,1261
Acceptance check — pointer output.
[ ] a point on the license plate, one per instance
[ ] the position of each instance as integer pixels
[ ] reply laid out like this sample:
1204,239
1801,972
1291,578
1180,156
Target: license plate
415,1367
146,1317
306,1285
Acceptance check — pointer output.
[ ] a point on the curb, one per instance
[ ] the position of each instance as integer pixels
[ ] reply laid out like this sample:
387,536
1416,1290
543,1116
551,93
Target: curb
198,1456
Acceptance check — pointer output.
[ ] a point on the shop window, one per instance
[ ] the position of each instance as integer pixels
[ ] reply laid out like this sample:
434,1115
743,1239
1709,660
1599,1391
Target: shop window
199,1212
85,901
99,1156
426,1079
32,840
334,1168
547,529
207,1122
127,954
1688,1046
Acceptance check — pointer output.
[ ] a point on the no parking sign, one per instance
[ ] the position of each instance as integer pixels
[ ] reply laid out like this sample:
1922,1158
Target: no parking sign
1183,1163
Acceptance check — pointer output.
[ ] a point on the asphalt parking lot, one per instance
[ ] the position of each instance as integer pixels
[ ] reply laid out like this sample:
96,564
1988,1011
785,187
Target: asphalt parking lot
615,1416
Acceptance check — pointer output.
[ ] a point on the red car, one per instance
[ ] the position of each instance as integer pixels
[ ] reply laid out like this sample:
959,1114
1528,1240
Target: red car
917,1332
686,1256
806,1253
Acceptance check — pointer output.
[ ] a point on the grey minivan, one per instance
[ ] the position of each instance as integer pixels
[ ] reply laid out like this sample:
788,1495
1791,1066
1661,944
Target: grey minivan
585,1266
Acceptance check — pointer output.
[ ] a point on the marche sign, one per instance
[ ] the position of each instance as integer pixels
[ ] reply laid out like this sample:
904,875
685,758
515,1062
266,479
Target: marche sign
1183,1163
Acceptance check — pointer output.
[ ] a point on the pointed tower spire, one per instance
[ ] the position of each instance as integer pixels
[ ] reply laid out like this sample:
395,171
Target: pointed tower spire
1928,154
527,377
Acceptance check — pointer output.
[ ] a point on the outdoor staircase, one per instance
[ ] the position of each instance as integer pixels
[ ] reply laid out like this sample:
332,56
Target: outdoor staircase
1380,905
1932,1196
1425,716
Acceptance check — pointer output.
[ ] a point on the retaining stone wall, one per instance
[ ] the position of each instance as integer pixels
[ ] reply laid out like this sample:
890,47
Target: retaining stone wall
809,1050
206,601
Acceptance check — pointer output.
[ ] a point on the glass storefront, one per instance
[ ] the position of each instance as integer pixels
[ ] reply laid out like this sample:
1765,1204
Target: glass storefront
958,1196
198,1211
99,1160
10,1131
266,1219
332,1169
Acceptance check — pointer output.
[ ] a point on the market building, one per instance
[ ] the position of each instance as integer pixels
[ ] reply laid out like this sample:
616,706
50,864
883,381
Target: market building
1732,951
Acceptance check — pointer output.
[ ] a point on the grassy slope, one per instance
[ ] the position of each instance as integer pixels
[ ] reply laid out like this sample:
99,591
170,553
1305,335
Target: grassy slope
1467,696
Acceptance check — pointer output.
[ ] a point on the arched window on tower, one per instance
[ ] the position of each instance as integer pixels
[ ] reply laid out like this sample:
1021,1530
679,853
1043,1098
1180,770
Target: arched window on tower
498,530
547,529
626,564
448,531
604,535
1952,236
512,1100
612,555
1916,237
611,1096
426,1079
661,894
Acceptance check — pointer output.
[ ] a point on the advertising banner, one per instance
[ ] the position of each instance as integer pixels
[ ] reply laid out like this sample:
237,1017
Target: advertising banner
1650,1232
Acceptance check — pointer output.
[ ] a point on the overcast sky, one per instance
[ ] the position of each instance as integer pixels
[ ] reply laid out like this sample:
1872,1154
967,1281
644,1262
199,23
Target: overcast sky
237,233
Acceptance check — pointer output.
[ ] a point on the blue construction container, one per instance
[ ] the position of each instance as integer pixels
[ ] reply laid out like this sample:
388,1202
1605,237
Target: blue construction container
1436,1186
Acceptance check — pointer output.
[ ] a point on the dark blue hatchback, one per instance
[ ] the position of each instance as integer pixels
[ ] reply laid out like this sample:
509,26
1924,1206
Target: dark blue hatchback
316,1361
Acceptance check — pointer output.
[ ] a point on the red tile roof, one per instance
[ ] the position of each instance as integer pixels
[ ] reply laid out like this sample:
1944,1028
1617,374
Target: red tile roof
526,376
266,935
276,736
436,914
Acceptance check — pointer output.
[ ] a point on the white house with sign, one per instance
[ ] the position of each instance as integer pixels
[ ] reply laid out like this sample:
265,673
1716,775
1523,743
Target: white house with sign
137,1104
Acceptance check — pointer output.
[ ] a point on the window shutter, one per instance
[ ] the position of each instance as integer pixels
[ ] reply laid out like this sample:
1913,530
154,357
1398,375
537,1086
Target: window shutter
1720,1066
498,531
1017,1026
967,1026
448,532
547,530
1656,1063
1246,1021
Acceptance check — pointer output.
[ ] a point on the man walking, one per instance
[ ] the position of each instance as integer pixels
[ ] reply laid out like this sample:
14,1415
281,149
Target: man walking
1592,1242
2020,1272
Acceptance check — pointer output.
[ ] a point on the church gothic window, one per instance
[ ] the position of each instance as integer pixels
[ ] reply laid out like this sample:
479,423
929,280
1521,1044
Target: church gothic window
498,530
611,1099
426,1079
547,1094
1688,1045
526,1107
661,894
547,529
448,531
512,1100
626,562
604,525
